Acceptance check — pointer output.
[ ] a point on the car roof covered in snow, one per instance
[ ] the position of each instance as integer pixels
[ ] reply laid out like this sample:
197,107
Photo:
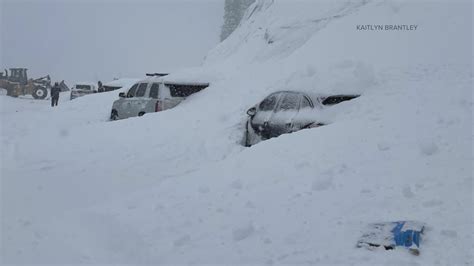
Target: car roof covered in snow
177,81
316,96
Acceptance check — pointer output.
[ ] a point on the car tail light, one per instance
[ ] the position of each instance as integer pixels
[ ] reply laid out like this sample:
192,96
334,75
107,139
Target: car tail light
158,106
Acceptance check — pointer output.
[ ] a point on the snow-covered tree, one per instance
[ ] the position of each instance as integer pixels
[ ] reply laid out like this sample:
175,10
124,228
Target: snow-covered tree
234,10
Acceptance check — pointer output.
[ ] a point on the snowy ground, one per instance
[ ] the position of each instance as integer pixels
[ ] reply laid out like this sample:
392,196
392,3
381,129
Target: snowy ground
176,187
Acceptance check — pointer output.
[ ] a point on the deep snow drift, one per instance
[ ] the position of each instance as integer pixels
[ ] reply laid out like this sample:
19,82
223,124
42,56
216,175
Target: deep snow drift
177,187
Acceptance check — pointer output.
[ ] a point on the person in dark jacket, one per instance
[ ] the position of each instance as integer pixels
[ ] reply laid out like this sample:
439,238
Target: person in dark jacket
55,94
100,87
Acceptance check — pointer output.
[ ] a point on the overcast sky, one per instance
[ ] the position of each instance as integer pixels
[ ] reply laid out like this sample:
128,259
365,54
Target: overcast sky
83,40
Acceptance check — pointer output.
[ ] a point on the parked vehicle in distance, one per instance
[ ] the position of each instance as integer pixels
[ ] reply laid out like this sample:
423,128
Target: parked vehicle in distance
152,95
82,88
122,84
286,112
117,84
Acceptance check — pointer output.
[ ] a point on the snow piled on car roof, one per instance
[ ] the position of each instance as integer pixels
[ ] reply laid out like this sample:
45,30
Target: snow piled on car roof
192,76
177,187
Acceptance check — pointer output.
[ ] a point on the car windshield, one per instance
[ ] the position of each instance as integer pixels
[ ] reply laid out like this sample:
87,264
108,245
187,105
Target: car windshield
83,87
290,101
268,104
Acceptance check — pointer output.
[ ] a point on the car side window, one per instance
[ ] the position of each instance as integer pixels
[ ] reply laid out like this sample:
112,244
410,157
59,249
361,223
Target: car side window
141,90
154,90
268,103
132,90
305,103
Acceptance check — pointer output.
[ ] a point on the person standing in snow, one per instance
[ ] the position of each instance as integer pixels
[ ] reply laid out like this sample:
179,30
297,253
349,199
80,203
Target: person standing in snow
55,94
100,88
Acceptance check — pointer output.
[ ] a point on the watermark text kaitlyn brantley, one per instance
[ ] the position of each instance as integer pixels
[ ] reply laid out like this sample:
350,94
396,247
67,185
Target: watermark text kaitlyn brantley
387,27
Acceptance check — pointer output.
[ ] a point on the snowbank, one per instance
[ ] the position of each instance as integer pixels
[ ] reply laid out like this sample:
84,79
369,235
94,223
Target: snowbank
177,187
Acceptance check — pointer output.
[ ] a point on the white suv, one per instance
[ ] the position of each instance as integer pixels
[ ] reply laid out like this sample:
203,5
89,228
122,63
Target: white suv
81,89
152,95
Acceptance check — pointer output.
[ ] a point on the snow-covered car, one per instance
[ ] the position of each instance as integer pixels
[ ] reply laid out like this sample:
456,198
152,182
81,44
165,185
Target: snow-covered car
286,112
81,89
152,95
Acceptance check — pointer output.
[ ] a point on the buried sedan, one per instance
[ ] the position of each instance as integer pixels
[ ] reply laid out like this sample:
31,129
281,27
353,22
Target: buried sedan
285,112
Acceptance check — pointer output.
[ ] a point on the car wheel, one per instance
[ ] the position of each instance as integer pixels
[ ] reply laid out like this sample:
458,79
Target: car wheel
141,113
40,93
114,115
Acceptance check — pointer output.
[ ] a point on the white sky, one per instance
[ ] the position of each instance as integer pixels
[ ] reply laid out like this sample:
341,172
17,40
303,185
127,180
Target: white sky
79,40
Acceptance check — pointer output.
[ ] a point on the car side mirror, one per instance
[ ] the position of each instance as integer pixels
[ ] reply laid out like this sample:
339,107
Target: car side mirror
252,111
122,95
